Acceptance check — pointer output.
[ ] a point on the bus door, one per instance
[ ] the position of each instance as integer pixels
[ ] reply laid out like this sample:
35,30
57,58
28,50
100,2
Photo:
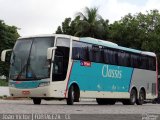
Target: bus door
61,59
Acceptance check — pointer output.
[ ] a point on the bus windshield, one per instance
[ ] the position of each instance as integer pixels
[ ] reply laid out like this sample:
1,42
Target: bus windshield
29,59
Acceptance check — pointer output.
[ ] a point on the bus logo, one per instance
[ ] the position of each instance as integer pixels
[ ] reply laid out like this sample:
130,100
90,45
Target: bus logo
85,63
111,73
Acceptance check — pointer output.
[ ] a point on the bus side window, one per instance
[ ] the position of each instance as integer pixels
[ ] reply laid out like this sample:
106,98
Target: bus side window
91,54
99,57
106,56
152,63
127,60
110,56
96,54
123,59
135,61
114,57
84,53
76,53
144,62
80,51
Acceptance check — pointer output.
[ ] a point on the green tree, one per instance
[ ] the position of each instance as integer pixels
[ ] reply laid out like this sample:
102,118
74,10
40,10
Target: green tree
59,30
8,36
106,27
126,32
151,31
90,24
140,31
66,28
87,24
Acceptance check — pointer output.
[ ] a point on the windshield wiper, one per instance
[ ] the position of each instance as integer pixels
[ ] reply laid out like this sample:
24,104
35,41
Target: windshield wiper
12,58
27,65
19,74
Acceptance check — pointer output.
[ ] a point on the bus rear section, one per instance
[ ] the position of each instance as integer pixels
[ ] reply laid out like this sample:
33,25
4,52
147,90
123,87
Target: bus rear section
112,73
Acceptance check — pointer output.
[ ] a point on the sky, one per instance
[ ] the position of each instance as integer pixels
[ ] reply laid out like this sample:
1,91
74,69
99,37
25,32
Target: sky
34,17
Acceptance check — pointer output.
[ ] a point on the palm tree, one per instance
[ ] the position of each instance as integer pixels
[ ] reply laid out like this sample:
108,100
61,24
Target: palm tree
89,23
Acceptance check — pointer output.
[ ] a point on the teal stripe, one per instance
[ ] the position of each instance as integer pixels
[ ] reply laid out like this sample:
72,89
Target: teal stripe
26,84
91,78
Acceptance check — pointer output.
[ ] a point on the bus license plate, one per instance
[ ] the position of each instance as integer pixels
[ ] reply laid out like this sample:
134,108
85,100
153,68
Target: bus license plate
25,92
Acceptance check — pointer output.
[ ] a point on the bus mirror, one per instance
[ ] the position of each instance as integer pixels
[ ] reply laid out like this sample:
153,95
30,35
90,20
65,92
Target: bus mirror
4,54
49,52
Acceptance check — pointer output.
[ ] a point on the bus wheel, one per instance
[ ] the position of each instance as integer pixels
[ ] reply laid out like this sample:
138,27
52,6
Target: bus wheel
71,96
141,98
133,98
37,101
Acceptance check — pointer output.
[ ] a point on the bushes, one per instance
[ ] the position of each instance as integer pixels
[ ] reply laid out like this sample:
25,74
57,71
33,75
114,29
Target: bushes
3,82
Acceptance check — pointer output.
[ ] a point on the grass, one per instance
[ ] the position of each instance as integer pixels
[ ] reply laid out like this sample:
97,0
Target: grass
3,82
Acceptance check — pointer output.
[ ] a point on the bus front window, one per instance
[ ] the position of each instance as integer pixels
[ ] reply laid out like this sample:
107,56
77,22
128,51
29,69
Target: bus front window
29,59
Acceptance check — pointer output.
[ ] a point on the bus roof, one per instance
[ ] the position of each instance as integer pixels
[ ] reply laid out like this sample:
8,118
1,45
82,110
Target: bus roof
114,45
46,35
97,42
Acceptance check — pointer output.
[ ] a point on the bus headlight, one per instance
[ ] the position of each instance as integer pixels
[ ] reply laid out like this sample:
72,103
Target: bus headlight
44,84
11,85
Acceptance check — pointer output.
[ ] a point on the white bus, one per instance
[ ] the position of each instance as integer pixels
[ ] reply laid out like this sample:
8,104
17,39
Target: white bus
66,67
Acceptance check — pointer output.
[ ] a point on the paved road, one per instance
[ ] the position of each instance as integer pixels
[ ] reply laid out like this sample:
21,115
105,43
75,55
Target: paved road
84,109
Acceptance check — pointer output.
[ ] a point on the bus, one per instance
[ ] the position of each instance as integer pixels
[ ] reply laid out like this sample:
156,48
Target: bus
65,67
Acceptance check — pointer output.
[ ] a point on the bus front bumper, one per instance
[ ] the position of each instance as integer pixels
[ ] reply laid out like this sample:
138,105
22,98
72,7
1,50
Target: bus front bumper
34,92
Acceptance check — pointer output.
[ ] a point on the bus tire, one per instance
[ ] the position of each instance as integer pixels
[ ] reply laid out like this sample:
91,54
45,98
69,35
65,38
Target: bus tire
132,99
71,96
37,101
77,93
141,97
